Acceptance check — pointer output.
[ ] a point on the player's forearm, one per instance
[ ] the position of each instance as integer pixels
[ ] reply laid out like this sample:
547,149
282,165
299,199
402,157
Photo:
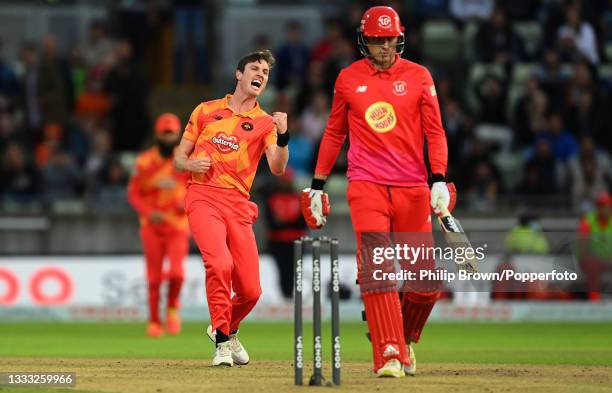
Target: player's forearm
180,159
278,160
330,147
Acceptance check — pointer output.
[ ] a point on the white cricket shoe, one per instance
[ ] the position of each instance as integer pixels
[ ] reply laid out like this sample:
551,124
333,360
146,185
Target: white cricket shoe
410,369
392,369
223,355
239,354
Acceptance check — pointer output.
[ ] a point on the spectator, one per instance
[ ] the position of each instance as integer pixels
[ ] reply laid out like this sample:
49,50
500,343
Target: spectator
31,90
285,224
343,54
51,142
467,10
128,90
98,45
483,194
551,78
56,90
18,175
576,38
8,80
314,118
591,174
292,57
563,144
492,94
530,113
587,117
541,172
190,28
322,49
98,160
60,177
497,42
112,195
314,81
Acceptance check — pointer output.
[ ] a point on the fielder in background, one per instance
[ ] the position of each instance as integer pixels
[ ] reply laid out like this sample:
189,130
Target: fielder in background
157,192
221,148
388,107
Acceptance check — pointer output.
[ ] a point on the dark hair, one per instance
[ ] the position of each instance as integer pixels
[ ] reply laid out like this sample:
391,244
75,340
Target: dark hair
252,57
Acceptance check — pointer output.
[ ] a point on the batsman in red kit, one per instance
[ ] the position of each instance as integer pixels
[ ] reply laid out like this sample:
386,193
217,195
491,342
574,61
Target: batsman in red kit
221,148
388,107
157,192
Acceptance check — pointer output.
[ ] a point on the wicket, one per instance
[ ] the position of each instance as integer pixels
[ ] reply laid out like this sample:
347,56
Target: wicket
299,249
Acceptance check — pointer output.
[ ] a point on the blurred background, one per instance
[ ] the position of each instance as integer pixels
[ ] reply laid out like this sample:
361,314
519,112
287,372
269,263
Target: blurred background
524,88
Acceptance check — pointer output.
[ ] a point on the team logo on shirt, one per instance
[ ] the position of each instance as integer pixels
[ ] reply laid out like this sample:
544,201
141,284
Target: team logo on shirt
225,143
381,117
247,126
384,21
399,88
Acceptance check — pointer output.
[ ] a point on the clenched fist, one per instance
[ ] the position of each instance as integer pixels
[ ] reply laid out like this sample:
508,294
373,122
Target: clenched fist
198,165
280,120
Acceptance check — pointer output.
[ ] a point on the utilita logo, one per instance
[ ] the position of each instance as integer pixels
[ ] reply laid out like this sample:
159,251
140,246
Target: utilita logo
225,143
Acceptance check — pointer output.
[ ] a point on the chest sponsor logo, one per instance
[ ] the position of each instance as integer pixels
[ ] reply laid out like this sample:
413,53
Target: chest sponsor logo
361,89
384,21
225,143
247,126
381,117
399,88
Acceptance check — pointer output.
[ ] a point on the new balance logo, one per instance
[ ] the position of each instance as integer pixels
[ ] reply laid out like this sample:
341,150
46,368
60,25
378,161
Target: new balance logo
361,89
391,350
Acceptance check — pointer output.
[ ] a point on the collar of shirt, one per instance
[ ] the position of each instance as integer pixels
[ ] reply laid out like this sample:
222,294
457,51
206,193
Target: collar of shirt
252,113
388,71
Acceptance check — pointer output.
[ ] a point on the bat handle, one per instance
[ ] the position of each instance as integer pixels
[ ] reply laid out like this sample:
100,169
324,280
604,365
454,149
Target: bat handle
443,209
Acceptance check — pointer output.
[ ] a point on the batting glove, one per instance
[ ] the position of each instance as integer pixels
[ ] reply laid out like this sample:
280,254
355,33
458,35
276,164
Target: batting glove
315,207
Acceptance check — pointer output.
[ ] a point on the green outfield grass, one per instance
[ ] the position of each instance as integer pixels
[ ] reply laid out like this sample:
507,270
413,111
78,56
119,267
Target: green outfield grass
588,344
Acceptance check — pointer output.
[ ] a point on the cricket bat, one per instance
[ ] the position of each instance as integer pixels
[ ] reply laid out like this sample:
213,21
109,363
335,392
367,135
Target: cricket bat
455,236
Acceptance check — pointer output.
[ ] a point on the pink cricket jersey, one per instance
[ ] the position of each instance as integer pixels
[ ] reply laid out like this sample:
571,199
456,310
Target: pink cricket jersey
388,115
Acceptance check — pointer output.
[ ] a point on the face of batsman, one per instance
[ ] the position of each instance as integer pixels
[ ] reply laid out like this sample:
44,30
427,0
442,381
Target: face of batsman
254,79
382,50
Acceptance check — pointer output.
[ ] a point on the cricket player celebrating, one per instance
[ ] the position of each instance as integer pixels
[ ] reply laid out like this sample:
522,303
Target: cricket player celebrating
221,147
388,107
157,192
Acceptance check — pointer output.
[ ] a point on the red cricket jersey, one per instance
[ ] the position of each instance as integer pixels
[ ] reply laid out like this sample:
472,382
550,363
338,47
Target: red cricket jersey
387,115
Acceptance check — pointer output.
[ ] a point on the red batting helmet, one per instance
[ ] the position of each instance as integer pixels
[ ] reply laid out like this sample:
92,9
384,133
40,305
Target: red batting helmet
380,21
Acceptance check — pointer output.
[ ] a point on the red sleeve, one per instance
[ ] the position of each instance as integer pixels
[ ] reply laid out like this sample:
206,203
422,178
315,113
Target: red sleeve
134,194
431,122
335,132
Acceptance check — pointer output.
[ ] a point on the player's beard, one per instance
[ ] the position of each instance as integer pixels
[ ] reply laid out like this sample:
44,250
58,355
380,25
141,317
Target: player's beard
166,150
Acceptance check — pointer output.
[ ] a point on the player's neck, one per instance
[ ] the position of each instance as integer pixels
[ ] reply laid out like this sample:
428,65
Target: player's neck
240,102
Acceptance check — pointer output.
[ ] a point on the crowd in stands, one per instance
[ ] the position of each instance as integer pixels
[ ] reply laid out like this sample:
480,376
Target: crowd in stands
65,117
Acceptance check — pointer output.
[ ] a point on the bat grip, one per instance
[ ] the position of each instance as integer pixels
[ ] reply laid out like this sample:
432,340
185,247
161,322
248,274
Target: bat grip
443,209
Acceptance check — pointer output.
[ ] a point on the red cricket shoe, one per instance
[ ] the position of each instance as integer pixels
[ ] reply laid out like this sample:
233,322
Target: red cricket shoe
154,330
173,321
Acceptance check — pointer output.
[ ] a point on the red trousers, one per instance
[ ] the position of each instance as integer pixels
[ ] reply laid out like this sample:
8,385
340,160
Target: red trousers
158,242
221,224
384,209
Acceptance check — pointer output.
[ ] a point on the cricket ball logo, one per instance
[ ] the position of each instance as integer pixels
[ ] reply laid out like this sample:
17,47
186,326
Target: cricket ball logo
225,143
381,117
384,21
